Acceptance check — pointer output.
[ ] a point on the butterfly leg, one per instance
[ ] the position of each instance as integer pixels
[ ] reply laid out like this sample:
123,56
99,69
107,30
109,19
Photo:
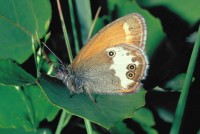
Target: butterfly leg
91,97
71,95
87,91
71,88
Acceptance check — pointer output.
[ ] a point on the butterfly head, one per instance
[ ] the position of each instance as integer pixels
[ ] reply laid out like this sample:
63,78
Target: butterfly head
62,72
71,79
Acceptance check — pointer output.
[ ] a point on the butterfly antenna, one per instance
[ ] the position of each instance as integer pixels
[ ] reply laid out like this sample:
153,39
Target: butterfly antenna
52,52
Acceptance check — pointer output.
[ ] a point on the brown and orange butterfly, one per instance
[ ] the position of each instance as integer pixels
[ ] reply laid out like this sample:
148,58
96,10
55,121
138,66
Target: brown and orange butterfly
112,62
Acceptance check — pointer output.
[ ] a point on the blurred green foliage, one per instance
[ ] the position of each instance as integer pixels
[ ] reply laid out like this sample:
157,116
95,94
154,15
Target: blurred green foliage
187,10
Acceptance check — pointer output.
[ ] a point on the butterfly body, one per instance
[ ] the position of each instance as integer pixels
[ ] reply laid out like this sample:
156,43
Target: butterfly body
112,62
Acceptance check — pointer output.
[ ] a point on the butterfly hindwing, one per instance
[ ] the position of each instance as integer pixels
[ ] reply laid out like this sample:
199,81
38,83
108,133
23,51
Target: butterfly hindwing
115,70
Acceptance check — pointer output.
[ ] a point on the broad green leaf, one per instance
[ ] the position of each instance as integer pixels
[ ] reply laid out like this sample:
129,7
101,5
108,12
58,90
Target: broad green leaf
22,131
19,21
187,10
176,83
155,32
107,111
24,108
145,118
113,5
14,111
121,128
43,109
12,74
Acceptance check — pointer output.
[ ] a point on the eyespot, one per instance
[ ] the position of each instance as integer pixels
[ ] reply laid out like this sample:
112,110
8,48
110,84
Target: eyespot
131,67
133,59
130,74
111,53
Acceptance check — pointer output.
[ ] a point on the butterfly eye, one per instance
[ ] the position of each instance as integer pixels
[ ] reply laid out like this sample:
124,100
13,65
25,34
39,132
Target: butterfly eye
130,75
111,53
131,67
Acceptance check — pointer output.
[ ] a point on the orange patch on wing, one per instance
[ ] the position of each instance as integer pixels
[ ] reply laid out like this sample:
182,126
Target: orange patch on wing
115,34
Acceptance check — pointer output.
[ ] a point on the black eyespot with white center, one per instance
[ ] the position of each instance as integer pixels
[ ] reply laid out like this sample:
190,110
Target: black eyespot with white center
111,53
130,75
131,67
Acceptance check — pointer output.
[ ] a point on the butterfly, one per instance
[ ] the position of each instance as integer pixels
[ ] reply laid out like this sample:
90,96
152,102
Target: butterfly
112,62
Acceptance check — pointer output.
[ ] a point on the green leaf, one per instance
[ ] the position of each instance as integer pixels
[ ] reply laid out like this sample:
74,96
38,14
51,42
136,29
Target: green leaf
19,21
14,111
187,10
198,131
22,131
145,118
12,74
43,131
176,83
121,128
113,5
108,110
24,108
149,130
165,114
43,109
155,32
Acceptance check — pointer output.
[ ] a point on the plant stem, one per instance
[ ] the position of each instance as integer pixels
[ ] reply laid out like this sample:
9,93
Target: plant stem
71,11
65,32
34,54
67,119
183,97
38,55
88,126
94,22
61,121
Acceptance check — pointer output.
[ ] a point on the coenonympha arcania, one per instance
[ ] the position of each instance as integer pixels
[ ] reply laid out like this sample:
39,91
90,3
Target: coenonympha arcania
112,62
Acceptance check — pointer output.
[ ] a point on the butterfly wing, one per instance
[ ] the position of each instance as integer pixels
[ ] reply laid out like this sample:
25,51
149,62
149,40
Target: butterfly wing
130,29
113,61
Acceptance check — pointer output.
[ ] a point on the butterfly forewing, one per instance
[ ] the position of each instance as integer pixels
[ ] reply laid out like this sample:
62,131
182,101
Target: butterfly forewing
130,29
